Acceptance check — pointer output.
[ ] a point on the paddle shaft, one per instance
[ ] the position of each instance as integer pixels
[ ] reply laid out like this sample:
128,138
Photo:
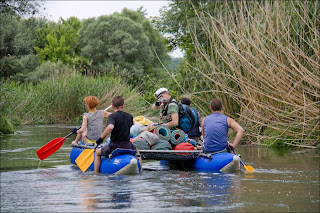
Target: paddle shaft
107,108
68,135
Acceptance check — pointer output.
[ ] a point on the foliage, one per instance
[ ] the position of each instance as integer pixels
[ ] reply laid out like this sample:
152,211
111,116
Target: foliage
18,68
175,20
17,34
10,65
174,63
123,42
60,99
6,126
48,70
21,7
16,45
260,58
59,42
8,32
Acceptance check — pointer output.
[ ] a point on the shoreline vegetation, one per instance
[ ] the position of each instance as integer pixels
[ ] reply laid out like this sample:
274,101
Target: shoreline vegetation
260,58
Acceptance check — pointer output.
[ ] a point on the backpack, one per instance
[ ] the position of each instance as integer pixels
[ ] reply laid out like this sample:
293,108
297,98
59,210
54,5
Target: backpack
188,118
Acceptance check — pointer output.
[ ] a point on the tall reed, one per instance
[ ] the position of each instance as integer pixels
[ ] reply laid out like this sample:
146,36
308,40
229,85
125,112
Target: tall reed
262,61
60,99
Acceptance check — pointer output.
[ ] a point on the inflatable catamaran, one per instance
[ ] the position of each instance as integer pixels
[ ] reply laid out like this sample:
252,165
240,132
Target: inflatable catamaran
125,162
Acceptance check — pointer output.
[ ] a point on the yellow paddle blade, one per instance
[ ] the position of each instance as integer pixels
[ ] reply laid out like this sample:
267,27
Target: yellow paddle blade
248,168
85,159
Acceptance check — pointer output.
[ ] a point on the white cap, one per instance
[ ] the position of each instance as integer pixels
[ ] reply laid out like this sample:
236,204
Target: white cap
159,91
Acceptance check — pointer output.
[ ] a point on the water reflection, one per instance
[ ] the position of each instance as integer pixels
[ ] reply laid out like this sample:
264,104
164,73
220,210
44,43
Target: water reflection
121,195
88,199
103,192
121,200
219,188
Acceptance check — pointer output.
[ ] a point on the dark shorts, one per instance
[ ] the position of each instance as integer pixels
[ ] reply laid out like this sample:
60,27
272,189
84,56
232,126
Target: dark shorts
106,150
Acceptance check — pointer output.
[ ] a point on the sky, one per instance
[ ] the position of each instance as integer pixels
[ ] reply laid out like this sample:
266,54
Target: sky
86,9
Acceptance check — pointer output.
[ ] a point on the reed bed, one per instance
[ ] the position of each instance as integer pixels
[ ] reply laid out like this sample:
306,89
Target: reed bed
60,99
261,58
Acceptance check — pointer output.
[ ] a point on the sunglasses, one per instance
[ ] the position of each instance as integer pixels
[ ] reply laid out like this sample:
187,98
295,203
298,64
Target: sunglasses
160,95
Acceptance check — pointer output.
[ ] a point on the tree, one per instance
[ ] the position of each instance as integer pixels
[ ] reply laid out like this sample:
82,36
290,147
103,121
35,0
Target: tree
9,29
59,42
21,7
16,44
181,20
122,42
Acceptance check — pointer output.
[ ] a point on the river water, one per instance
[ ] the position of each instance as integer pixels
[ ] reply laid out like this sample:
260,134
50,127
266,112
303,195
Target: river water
286,180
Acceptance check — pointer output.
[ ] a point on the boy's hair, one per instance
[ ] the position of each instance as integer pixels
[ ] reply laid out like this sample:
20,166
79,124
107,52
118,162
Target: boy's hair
91,101
216,105
185,101
117,101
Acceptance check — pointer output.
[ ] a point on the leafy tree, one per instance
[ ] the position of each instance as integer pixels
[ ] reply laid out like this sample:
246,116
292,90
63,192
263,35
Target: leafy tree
58,42
21,7
9,29
16,45
122,42
180,21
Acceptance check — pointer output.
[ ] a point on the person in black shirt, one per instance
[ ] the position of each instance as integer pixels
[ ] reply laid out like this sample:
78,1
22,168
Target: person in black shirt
118,125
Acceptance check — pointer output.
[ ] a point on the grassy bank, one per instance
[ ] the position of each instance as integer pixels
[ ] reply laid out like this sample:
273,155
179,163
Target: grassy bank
60,100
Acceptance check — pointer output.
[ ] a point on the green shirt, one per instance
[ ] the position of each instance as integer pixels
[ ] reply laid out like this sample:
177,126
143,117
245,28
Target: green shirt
172,108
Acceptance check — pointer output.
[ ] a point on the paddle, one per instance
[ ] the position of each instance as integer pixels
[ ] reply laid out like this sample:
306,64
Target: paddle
51,147
85,159
54,145
246,167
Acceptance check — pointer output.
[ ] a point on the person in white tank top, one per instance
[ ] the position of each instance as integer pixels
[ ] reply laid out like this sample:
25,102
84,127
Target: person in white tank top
92,122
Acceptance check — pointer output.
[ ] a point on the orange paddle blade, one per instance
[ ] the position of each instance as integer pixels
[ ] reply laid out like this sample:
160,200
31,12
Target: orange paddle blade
248,168
50,148
85,159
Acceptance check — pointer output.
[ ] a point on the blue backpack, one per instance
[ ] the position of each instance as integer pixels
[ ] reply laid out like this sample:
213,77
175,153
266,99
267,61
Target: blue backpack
188,118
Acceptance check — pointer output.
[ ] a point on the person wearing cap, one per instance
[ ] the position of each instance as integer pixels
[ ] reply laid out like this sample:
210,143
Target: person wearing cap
168,106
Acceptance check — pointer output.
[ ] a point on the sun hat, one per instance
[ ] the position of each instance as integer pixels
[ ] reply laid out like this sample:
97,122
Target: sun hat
159,92
142,120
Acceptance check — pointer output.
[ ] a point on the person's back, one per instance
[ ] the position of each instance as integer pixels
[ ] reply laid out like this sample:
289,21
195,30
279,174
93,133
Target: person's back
122,122
95,124
214,129
216,133
92,122
118,125
195,132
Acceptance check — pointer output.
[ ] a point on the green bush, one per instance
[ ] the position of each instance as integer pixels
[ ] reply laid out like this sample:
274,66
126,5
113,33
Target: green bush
49,70
6,126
